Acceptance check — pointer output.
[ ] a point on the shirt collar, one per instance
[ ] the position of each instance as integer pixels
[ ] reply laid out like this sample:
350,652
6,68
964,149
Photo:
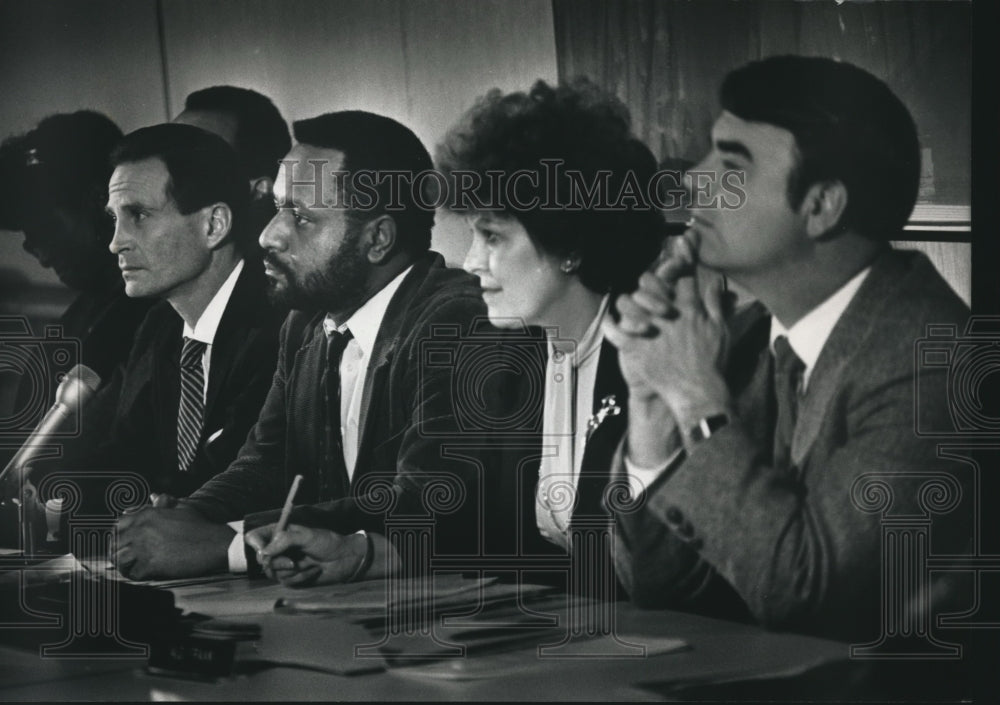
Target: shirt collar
364,323
208,322
810,333
591,340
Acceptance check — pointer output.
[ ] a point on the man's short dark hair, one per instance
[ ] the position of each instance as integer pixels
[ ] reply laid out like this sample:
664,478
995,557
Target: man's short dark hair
203,169
848,126
62,163
379,144
262,137
589,131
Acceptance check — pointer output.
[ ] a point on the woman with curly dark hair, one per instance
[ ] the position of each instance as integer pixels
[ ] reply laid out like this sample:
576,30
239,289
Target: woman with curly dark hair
554,192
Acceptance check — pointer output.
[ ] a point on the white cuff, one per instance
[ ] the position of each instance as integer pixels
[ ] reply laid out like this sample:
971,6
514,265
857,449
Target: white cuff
639,478
237,556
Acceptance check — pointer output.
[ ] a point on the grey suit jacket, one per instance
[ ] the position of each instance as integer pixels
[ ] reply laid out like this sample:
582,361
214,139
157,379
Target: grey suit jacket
803,548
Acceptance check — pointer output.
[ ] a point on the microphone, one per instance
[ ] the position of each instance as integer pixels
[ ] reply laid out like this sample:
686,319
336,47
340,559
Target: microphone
77,388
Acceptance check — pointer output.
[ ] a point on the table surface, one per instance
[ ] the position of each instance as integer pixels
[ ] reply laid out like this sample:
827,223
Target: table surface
715,650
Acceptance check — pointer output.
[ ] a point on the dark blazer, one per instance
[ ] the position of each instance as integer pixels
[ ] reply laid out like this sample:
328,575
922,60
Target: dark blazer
600,448
106,325
142,433
513,539
794,546
408,420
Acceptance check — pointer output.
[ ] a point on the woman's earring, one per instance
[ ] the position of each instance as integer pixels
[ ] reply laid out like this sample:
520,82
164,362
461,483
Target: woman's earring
568,266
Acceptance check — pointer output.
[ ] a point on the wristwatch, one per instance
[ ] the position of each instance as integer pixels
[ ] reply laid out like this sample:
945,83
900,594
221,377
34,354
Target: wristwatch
708,426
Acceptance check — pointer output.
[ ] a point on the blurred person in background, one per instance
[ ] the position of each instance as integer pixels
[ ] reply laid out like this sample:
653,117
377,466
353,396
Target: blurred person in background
53,188
253,126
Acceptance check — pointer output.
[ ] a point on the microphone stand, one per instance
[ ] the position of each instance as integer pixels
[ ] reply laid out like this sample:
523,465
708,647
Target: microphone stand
18,488
79,384
31,516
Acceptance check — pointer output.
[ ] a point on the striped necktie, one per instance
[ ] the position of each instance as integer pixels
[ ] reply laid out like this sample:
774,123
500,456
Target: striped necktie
192,405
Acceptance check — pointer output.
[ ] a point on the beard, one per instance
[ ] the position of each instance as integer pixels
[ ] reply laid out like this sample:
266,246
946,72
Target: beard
338,286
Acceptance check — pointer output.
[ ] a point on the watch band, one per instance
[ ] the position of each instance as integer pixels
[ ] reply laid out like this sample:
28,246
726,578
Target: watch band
708,426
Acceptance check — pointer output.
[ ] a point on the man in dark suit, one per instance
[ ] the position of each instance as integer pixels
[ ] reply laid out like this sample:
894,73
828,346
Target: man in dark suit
761,462
353,408
202,360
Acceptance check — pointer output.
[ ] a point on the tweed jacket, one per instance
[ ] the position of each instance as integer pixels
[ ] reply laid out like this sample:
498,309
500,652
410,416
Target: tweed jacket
801,548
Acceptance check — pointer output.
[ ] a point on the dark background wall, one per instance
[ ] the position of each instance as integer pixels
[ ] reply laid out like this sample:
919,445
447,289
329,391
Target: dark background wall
421,62
424,61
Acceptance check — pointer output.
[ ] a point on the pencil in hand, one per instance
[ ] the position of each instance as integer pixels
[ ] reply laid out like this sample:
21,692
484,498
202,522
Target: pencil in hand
287,509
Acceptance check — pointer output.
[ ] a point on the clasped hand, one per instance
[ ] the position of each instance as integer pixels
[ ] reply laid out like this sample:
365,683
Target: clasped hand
672,338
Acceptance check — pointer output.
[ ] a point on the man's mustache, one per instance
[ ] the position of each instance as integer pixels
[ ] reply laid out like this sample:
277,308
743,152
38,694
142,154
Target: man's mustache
276,264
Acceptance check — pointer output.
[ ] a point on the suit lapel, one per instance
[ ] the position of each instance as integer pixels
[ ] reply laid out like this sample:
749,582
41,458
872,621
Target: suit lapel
383,352
595,468
243,304
305,420
750,371
858,322
609,385
166,383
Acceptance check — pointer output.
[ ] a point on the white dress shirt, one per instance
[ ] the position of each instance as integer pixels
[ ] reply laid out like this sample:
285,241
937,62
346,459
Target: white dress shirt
810,333
208,322
570,377
204,330
364,325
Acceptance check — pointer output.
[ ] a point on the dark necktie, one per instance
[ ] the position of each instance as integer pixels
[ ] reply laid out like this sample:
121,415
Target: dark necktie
334,482
192,404
788,370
